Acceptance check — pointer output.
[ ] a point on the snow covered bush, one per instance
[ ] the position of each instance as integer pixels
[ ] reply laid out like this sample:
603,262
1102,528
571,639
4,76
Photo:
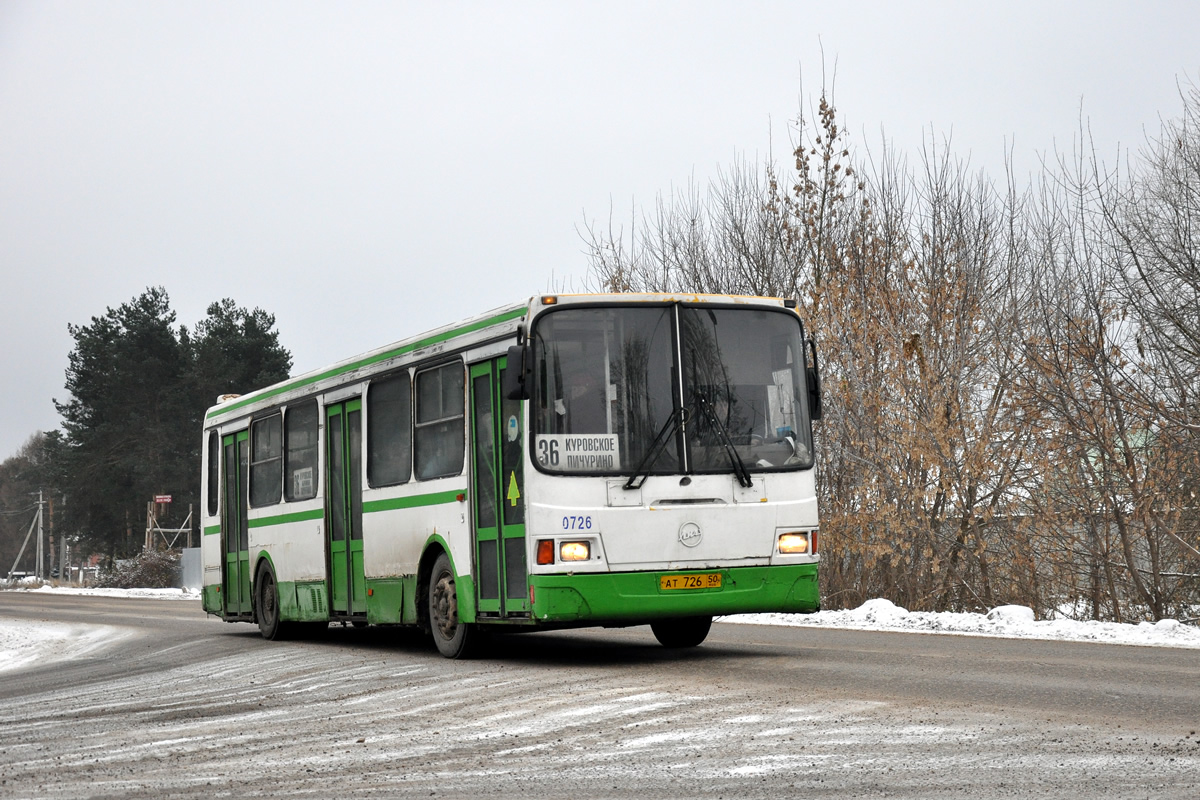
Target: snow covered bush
149,569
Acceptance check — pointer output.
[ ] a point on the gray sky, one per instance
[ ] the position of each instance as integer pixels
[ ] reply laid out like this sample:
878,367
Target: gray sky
366,171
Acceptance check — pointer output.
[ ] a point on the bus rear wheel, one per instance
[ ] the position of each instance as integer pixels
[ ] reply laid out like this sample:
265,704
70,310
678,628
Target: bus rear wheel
453,637
266,606
266,601
681,631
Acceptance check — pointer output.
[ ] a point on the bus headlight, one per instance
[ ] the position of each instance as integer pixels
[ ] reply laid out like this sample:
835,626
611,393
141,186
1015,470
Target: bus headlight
574,551
793,543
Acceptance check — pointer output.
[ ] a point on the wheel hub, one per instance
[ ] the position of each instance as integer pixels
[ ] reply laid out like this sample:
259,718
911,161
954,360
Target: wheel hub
445,606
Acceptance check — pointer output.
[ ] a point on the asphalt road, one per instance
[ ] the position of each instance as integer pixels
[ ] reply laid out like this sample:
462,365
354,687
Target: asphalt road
184,705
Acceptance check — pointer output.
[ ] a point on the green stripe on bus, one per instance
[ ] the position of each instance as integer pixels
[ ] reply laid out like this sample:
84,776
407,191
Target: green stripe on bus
366,362
212,529
416,501
283,519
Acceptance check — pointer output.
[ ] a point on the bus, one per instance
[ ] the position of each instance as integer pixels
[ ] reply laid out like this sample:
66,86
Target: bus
573,460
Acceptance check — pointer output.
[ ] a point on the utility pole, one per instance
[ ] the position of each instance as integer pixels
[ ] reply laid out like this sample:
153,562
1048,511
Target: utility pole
50,536
24,544
41,547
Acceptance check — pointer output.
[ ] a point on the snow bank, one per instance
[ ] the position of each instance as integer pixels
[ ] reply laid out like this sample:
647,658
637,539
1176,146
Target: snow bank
160,594
25,643
1004,621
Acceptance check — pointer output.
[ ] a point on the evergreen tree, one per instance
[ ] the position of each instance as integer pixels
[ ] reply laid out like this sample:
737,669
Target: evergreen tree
139,386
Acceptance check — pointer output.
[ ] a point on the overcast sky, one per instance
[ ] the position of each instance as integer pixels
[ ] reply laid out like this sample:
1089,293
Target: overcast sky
366,171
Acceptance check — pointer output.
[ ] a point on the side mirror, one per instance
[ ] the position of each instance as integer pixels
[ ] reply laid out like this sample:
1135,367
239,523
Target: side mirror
813,374
516,373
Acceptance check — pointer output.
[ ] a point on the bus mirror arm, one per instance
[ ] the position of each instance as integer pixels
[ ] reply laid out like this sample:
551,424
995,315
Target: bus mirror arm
516,373
813,375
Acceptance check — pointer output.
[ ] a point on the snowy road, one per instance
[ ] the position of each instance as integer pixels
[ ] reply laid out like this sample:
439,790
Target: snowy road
185,706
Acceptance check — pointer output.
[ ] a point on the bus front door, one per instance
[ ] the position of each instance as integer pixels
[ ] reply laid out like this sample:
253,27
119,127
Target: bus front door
343,508
499,506
235,545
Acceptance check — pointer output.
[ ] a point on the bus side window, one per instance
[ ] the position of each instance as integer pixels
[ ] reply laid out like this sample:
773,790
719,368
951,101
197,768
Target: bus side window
266,461
389,431
300,451
438,433
214,472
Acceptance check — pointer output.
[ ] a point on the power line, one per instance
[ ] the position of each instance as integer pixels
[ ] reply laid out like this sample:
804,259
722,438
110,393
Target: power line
24,510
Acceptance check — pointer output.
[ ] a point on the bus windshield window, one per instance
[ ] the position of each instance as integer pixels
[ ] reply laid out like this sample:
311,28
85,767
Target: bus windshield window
607,385
744,384
603,388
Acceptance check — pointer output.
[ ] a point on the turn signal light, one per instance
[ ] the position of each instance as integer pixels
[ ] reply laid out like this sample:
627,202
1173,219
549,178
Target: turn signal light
793,543
545,551
574,551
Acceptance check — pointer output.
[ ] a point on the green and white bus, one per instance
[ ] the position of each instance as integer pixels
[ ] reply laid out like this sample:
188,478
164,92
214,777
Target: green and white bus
575,460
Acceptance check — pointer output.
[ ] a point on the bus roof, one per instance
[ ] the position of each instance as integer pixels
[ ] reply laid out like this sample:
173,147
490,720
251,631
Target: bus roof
498,317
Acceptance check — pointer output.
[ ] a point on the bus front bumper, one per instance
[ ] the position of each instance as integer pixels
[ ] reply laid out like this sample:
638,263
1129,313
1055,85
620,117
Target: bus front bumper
631,597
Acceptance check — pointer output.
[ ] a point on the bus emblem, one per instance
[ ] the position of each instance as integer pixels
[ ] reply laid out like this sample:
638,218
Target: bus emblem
690,534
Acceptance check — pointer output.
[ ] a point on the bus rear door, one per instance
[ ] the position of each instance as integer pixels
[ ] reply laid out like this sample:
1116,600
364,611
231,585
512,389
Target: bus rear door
343,508
235,545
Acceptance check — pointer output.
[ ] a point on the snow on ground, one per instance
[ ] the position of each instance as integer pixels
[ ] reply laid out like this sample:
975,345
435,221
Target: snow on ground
22,642
158,594
1014,622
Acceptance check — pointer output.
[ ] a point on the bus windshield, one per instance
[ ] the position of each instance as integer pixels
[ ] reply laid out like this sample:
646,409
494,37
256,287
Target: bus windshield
669,389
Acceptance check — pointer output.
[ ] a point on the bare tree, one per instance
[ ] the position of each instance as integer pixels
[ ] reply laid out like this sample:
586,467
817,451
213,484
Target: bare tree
1010,375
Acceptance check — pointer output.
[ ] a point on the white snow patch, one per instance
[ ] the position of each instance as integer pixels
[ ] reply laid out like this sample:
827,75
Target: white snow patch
660,738
1013,615
25,644
774,763
1014,622
159,594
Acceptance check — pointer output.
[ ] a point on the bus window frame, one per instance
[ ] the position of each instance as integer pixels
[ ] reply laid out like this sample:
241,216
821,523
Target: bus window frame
253,463
316,448
368,440
461,417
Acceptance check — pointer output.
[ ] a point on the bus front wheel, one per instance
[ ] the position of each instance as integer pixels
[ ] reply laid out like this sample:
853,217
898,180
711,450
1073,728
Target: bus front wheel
681,631
453,637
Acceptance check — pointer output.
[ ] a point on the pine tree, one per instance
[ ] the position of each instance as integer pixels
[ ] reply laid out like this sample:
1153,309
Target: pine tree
138,387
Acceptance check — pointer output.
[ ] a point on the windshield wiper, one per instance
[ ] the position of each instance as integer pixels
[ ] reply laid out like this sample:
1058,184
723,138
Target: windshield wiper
739,466
665,434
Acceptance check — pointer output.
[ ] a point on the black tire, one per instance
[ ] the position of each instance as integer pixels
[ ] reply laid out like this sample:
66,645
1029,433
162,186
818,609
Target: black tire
266,604
454,638
681,631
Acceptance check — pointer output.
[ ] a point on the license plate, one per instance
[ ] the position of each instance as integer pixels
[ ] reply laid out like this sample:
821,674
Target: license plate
706,580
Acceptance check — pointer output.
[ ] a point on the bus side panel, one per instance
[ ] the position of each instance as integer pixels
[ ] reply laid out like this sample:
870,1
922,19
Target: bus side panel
210,536
296,550
398,524
210,556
